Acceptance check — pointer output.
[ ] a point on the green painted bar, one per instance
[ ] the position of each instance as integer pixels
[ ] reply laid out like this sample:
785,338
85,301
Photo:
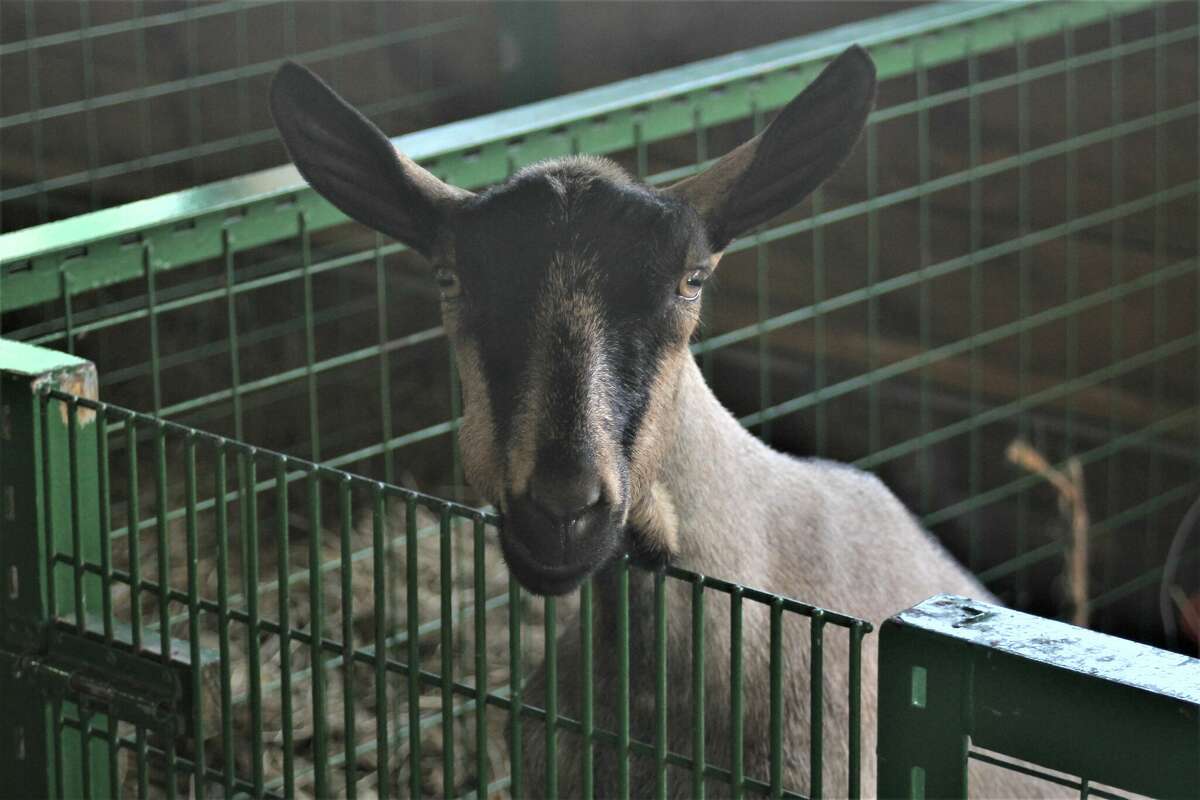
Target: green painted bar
736,714
623,787
479,570
380,548
412,619
854,759
698,698
346,519
249,502
220,480
587,665
199,786
660,685
775,721
316,599
551,666
283,551
515,763
816,704
446,647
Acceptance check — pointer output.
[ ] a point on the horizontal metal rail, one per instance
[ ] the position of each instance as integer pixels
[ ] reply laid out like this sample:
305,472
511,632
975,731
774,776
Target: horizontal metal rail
268,206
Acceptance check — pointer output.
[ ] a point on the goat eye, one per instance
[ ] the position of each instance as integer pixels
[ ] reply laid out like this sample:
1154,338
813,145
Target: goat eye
690,285
447,282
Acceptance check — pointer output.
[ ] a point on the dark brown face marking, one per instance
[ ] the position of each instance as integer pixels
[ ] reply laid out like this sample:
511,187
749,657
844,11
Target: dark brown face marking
568,308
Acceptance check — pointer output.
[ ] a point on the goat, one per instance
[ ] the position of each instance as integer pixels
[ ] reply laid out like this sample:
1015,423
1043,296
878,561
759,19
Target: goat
570,293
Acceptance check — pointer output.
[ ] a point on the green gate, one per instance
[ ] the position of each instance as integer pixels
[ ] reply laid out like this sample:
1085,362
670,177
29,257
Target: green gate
1010,255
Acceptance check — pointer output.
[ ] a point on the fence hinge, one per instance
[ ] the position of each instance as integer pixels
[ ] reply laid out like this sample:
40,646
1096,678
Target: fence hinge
104,678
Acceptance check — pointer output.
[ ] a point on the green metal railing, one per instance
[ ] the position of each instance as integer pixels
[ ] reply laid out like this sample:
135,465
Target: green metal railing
1011,253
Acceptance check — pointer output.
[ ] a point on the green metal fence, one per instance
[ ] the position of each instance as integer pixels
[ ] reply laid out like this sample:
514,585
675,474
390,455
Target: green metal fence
1011,253
185,80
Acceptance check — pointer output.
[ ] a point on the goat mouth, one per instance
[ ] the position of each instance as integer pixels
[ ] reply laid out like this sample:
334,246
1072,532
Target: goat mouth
536,575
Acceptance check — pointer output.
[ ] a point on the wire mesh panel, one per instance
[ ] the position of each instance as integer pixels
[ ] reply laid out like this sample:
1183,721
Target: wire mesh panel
335,635
1008,258
180,84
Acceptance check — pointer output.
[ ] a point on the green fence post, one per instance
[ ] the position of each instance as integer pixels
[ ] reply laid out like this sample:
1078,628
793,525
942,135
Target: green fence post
922,744
37,758
1051,695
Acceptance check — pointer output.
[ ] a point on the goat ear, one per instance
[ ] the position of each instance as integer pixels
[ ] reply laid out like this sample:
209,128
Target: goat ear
802,147
353,165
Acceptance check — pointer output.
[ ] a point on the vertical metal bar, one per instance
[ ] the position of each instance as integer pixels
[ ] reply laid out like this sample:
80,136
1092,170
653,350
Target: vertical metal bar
310,340
698,698
192,56
37,146
85,750
148,266
134,535
220,487
65,291
249,503
660,684
143,112
346,512
105,525
479,572
193,590
818,285
316,601
762,295
737,769
775,721
134,528
48,509
975,234
1072,204
550,624
925,258
235,370
89,115
816,702
285,634
587,659
379,551
446,585
854,761
1024,306
1152,542
114,771
874,419
164,581
515,765
1116,276
73,516
623,677
413,622
385,373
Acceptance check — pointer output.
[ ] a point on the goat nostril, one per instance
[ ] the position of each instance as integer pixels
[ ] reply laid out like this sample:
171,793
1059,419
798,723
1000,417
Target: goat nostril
565,500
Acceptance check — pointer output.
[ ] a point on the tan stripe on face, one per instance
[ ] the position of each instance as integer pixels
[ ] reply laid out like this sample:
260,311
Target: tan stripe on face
568,325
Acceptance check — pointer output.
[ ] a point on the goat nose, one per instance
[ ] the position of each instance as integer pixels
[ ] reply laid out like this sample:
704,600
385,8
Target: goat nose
565,499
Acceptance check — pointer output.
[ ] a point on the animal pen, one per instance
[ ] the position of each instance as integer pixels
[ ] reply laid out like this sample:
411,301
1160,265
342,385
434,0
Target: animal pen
230,590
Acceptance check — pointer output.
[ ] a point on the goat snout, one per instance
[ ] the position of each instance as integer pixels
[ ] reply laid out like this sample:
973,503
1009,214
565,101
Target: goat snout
566,499
559,531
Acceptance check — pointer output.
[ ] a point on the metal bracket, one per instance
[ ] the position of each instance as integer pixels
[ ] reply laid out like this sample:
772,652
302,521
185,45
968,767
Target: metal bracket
105,678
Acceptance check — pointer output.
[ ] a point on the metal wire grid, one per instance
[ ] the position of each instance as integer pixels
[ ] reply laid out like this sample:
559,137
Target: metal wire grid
253,494
169,156
311,267
1156,449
